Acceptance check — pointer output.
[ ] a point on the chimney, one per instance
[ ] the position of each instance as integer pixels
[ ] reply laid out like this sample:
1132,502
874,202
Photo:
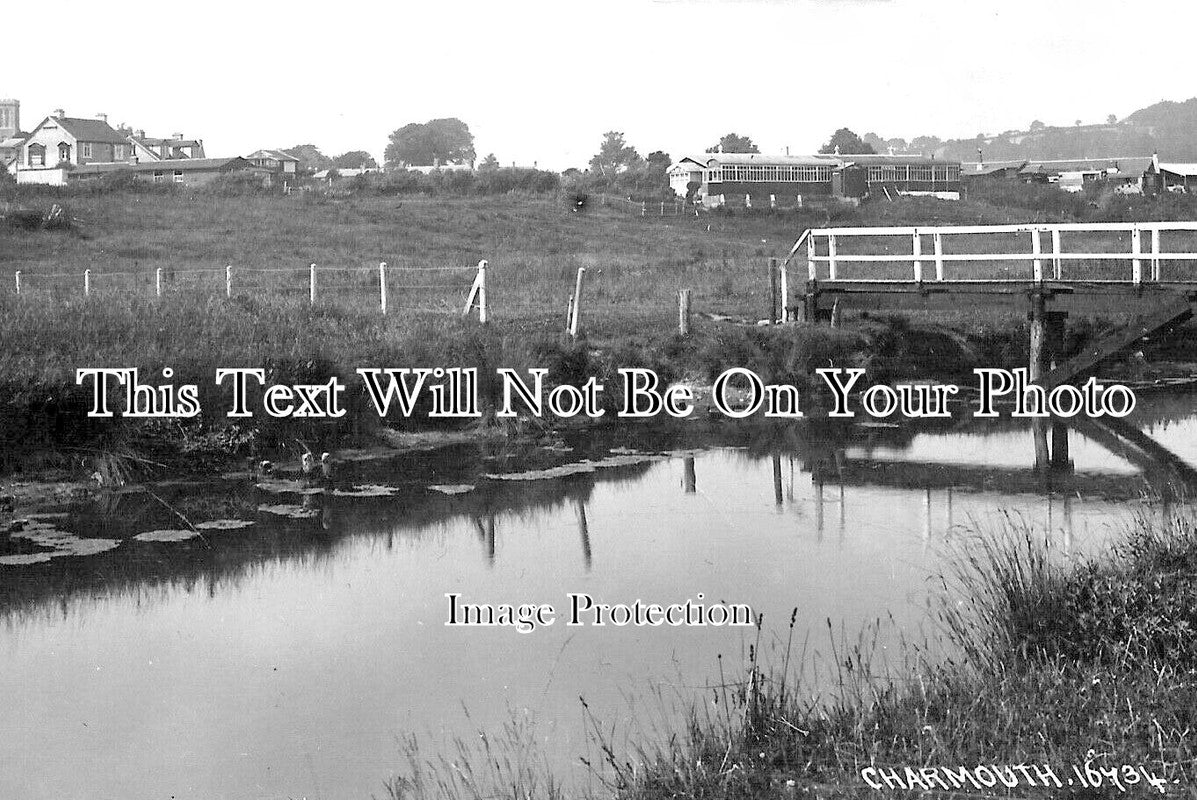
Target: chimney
980,160
102,117
1155,161
178,137
787,149
140,134
59,113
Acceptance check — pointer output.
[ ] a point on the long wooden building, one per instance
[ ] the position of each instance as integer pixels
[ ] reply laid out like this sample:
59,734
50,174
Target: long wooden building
762,181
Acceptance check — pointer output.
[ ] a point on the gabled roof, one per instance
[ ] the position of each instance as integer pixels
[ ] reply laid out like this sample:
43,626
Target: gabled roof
766,159
147,142
1179,168
989,167
277,155
89,130
875,159
179,165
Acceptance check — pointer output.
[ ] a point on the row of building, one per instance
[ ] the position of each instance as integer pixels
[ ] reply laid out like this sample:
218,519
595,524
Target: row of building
758,179
62,148
762,180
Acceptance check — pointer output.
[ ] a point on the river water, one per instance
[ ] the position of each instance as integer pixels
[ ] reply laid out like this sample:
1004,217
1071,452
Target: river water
288,647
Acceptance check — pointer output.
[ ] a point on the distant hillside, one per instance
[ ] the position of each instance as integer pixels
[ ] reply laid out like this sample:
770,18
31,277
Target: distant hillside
1168,127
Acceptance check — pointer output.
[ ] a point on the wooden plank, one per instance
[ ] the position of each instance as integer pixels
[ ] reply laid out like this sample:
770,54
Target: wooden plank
1180,309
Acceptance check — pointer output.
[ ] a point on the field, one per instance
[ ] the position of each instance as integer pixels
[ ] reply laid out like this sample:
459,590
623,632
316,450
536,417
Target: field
534,245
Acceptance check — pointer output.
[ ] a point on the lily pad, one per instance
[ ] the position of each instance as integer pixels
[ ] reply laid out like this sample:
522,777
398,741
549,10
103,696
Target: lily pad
452,488
166,536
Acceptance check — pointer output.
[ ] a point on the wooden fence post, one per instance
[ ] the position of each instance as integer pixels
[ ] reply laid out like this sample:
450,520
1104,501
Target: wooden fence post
86,282
785,291
158,282
228,281
482,291
683,312
577,309
643,208
382,286
18,277
569,313
312,285
772,291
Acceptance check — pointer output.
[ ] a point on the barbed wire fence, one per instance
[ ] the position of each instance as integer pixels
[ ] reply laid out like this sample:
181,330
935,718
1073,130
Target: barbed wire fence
388,288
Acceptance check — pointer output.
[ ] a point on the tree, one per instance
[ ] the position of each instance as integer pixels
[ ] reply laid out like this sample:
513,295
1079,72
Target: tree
614,155
1037,125
438,141
925,144
310,157
845,141
734,143
489,163
1112,119
355,159
659,159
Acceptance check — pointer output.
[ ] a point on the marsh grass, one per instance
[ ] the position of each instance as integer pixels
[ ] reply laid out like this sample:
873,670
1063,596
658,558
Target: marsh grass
1038,659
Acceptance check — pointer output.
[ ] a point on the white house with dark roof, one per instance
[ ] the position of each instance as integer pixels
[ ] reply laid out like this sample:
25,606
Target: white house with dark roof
62,140
683,172
278,161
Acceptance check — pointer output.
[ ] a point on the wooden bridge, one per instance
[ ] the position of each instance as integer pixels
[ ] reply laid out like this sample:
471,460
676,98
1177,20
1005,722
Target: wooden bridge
1144,270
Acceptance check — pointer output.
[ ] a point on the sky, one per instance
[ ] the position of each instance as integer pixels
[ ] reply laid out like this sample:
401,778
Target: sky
540,82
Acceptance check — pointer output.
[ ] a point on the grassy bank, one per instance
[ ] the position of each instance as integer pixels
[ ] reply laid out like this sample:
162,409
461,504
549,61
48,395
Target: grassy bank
1051,662
1056,663
534,244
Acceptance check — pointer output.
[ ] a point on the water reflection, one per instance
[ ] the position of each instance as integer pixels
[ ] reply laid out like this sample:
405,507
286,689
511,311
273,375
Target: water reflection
283,658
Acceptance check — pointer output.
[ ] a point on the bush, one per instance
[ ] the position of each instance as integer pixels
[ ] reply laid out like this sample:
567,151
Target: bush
237,184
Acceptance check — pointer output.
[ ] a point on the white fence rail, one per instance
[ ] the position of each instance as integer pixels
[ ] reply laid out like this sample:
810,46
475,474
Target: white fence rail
416,289
1141,247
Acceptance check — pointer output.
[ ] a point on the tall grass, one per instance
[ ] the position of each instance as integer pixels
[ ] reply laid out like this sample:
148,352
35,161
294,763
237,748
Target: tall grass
1040,660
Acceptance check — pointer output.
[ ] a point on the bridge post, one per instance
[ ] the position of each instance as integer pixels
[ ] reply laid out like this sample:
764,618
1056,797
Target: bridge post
1137,250
1037,249
1155,254
916,249
810,302
1037,365
1056,269
773,291
831,256
938,243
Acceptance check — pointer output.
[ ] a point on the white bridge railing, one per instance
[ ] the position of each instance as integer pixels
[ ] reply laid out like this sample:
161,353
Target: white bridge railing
1046,253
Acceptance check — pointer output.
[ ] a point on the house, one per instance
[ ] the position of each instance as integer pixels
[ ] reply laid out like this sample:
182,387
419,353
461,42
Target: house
59,140
1073,175
1163,176
145,148
891,174
683,172
764,180
279,162
184,171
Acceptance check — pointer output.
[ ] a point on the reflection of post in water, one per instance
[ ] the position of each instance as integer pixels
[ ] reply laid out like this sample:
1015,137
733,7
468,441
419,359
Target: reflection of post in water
689,479
927,515
1067,524
819,507
777,498
584,530
486,534
1060,457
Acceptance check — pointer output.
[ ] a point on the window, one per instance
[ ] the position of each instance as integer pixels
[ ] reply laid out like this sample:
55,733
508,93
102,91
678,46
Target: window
64,152
85,149
37,155
159,176
178,176
118,152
